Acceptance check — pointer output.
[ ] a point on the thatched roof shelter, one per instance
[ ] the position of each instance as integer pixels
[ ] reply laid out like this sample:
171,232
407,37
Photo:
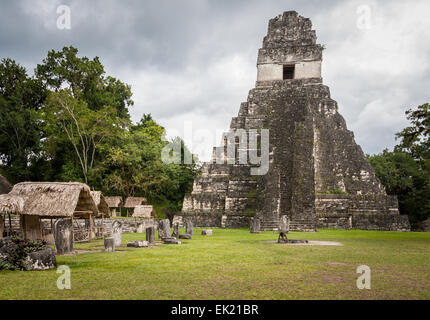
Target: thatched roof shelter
10,204
55,199
133,202
5,186
144,212
101,203
114,202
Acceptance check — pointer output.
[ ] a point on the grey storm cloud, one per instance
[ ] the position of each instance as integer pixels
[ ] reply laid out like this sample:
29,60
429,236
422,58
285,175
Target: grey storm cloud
195,60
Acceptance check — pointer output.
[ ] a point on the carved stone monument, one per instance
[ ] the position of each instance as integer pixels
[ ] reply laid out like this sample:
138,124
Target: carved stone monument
284,224
164,229
189,227
63,236
109,244
175,233
255,225
117,232
140,227
150,235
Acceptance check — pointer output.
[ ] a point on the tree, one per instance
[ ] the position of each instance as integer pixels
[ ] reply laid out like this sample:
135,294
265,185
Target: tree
415,139
134,166
20,134
403,176
85,79
405,172
67,117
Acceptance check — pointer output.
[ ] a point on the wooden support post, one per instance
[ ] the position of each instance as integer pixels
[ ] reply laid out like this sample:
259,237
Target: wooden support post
103,225
10,226
92,233
31,227
1,226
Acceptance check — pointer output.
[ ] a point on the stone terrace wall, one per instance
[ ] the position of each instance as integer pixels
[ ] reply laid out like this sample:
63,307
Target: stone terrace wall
364,212
214,220
347,221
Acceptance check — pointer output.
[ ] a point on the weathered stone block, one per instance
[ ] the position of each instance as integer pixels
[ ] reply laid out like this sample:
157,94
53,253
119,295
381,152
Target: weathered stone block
284,224
109,244
189,228
175,233
164,229
41,260
63,236
150,235
185,236
140,228
207,232
171,241
138,244
255,226
117,232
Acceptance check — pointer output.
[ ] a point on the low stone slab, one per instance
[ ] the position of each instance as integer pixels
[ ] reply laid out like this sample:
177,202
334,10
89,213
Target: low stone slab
171,241
109,244
138,244
207,232
41,260
185,236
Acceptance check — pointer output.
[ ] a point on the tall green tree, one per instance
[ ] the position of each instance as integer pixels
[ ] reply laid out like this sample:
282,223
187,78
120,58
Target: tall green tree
85,108
20,98
66,117
405,172
86,80
134,166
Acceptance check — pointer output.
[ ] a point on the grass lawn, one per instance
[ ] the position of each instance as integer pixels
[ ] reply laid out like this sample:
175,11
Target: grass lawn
234,264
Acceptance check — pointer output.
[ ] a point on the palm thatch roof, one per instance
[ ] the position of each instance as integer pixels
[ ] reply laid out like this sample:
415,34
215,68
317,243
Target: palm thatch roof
5,186
114,202
11,204
132,202
101,203
144,212
55,199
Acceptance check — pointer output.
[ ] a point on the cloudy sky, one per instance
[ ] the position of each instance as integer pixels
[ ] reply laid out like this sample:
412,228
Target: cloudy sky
191,62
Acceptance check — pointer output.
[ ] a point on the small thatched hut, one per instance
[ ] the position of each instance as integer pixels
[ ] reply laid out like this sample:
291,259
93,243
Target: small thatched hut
144,212
133,202
5,186
101,204
9,205
115,205
52,200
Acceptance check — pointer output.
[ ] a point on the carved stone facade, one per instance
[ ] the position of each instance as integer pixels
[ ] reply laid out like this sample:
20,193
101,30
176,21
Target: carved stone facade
315,164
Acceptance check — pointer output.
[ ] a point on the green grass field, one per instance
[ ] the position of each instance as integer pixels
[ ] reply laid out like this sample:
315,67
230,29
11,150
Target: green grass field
234,264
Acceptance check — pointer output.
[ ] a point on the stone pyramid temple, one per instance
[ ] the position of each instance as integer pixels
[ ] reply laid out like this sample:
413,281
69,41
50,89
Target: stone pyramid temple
318,176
